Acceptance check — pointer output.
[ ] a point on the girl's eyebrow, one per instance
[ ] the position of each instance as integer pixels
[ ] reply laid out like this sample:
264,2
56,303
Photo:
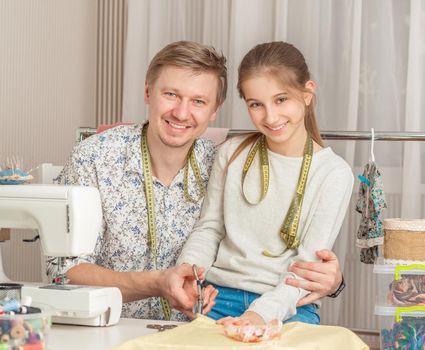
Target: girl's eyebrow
281,93
276,95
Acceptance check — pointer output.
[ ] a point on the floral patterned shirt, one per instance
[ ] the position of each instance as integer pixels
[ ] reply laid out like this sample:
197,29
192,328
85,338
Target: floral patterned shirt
111,161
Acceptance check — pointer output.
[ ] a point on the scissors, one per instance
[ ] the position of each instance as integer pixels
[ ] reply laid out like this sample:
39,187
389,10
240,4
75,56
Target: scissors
199,306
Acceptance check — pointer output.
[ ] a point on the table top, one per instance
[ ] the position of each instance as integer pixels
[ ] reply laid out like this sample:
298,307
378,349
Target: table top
66,337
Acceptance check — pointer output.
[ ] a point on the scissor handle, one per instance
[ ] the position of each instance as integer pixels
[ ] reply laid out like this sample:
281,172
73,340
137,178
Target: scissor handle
195,272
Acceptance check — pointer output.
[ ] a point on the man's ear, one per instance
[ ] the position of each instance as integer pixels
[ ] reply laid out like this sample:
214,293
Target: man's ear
146,95
214,115
311,86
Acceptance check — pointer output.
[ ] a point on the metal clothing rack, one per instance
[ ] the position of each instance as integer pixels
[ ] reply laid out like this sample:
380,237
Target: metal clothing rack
361,135
85,132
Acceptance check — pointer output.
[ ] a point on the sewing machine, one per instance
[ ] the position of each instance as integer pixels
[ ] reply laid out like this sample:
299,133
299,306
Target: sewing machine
67,219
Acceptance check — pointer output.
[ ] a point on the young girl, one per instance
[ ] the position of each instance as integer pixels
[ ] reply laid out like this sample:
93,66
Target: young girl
274,197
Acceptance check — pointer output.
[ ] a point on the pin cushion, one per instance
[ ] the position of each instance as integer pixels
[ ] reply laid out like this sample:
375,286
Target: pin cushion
14,177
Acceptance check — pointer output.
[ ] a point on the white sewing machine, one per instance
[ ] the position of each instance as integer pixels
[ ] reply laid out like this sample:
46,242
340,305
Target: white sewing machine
67,219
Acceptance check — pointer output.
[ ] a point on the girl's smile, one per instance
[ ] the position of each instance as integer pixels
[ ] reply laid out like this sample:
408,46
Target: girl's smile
276,113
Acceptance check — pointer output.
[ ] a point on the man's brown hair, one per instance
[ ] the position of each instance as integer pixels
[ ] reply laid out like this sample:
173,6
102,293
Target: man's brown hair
194,56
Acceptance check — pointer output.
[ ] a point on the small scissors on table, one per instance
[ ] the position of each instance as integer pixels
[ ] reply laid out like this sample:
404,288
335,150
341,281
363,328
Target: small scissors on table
199,306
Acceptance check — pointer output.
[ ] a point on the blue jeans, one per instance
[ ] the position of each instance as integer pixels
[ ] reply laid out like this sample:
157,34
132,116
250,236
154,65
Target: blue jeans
234,302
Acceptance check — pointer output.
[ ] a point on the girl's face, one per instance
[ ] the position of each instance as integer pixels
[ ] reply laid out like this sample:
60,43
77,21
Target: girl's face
275,112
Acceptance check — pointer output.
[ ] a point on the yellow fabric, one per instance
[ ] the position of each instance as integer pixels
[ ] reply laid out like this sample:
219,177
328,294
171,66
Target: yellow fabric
203,333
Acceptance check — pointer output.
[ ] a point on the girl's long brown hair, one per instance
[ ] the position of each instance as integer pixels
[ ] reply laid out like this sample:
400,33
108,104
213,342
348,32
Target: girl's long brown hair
286,63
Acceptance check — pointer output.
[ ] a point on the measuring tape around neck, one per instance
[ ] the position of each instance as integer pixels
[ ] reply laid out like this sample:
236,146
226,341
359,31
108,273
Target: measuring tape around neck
148,185
288,231
191,161
147,172
259,145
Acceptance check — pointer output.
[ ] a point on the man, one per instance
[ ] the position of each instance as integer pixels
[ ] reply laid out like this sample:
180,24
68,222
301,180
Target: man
152,178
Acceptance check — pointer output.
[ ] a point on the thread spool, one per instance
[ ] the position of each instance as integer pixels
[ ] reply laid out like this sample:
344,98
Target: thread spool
11,305
36,346
5,338
34,337
35,324
17,331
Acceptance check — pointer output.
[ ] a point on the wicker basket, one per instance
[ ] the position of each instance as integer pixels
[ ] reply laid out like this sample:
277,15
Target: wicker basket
404,239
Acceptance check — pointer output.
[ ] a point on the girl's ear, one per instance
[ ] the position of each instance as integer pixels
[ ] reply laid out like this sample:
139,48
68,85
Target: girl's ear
308,96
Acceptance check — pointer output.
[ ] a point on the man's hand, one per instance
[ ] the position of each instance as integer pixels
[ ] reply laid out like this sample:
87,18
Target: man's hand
178,286
321,278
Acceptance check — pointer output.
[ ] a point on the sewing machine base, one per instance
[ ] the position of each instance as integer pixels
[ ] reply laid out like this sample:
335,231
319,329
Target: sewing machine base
78,305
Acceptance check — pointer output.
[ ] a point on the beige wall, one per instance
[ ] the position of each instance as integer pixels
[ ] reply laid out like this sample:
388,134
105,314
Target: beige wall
47,76
47,89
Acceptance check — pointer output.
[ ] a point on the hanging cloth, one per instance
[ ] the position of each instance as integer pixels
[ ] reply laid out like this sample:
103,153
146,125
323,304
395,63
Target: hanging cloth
370,203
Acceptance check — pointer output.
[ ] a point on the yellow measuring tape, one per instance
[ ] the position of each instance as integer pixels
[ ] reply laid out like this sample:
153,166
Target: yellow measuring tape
260,144
191,160
147,172
288,231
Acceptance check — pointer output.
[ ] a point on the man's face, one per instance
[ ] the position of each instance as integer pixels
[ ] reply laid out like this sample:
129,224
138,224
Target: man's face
181,104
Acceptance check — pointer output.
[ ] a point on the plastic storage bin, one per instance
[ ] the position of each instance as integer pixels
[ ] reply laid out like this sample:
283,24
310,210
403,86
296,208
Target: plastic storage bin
400,285
25,331
401,327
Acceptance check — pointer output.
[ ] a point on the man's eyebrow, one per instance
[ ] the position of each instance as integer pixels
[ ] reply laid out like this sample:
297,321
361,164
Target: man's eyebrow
200,97
168,88
195,97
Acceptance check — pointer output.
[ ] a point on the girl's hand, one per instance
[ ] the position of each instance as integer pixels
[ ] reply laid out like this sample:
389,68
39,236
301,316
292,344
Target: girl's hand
247,318
210,294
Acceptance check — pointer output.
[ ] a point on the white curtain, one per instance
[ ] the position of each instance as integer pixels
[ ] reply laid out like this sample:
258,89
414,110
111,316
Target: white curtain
368,60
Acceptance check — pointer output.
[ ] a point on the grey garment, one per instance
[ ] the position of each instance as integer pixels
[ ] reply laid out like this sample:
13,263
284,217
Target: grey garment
231,235
370,204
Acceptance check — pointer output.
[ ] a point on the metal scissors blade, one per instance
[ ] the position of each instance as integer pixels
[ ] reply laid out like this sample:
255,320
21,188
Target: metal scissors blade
199,305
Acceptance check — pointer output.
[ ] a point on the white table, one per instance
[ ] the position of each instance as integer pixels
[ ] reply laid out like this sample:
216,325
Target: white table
65,337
